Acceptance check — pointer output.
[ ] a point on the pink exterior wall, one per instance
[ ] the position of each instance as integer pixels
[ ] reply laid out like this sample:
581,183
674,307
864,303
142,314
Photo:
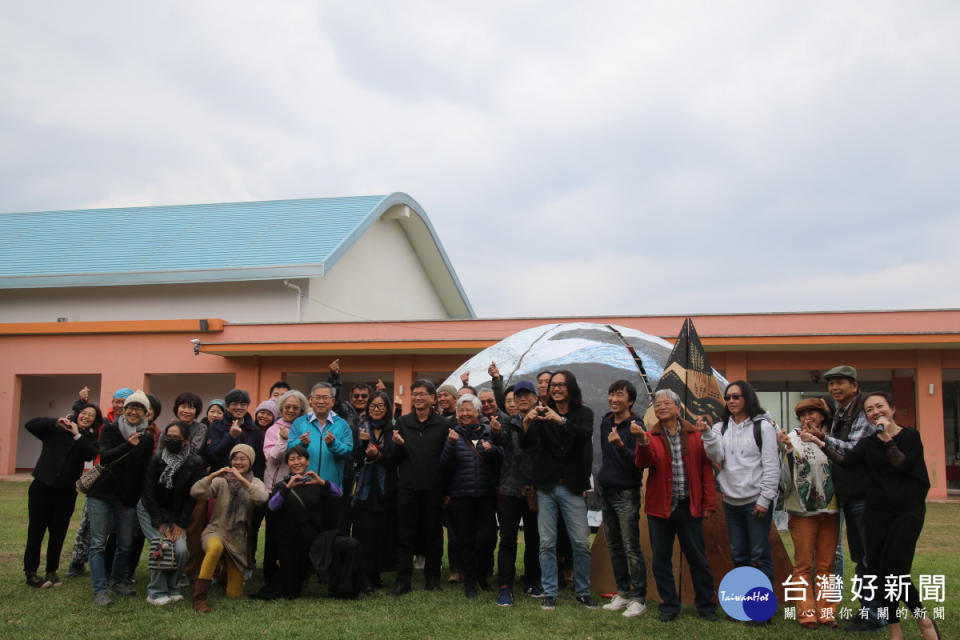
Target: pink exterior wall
922,342
124,361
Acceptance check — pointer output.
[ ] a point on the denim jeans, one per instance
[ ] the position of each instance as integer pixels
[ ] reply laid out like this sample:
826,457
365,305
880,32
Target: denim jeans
853,511
163,583
689,531
574,511
102,514
749,538
621,527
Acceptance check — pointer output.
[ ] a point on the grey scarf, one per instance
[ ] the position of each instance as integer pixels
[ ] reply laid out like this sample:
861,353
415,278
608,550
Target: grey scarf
173,461
127,429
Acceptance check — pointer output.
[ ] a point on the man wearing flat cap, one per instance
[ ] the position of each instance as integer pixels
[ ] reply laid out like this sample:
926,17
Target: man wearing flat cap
849,426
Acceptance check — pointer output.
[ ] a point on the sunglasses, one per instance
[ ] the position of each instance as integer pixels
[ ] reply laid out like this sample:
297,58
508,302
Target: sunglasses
733,396
361,396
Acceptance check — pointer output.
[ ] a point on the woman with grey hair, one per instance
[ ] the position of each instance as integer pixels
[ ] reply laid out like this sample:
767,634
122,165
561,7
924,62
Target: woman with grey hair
470,459
292,404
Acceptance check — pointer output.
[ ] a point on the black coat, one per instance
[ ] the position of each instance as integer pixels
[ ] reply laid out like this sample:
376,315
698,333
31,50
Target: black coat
562,453
418,459
220,442
173,505
122,481
62,457
471,471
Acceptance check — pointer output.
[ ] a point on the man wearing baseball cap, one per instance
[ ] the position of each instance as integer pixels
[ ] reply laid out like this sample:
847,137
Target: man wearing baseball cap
849,426
516,496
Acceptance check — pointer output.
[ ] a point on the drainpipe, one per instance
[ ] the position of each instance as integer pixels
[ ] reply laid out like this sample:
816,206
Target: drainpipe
299,291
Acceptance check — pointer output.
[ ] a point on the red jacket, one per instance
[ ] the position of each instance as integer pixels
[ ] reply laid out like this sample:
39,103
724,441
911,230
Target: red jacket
656,457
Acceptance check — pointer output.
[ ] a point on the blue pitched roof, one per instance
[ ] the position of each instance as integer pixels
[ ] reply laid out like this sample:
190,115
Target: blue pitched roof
193,243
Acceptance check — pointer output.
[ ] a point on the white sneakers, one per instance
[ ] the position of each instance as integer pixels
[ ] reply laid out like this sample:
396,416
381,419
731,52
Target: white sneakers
158,602
617,604
631,607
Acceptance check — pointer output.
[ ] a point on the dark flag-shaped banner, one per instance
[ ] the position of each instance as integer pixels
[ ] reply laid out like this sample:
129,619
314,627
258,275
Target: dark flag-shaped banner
689,375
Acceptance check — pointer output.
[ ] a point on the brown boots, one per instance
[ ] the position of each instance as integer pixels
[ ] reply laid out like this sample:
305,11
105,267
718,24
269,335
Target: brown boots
200,589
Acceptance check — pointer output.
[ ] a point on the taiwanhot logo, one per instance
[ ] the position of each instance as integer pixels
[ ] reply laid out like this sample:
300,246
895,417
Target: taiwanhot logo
745,593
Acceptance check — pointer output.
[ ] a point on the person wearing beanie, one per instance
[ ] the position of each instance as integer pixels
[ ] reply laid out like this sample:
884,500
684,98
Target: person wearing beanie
236,427
237,493
216,409
263,418
447,401
81,541
116,404
126,447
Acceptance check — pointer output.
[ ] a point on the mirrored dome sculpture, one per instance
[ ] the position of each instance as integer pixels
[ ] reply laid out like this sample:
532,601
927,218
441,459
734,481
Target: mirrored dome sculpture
597,354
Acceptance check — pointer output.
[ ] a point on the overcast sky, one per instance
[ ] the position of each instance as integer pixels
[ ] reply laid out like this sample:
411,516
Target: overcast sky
574,158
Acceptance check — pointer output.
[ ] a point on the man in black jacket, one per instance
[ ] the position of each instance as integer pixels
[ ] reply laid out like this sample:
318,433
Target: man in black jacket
559,435
418,440
515,494
235,428
619,481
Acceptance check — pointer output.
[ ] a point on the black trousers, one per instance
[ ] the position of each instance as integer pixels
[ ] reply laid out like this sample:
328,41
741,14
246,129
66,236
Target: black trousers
48,509
689,531
510,511
475,522
253,533
421,508
270,545
891,543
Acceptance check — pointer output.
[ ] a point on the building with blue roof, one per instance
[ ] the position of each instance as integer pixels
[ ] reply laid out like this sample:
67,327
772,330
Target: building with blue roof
304,260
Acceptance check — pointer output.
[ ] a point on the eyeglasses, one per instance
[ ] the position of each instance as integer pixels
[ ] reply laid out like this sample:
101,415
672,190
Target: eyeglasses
558,385
419,394
172,439
377,405
134,407
322,398
361,396
733,396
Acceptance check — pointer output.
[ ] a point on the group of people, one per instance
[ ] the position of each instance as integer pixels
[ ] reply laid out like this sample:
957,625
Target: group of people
855,465
348,491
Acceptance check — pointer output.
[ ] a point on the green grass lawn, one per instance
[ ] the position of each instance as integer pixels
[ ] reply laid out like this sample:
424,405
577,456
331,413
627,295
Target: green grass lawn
67,612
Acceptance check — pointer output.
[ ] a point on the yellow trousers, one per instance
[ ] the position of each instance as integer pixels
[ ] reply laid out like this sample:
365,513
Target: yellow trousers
210,560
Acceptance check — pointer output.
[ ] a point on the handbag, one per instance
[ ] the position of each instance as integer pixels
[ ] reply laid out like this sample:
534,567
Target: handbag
88,479
161,555
85,482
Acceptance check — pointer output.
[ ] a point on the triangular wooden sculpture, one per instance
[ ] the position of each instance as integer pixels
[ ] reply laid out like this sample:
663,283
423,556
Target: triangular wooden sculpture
688,373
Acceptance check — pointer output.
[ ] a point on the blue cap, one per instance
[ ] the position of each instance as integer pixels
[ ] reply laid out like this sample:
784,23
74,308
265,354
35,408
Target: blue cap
523,385
123,393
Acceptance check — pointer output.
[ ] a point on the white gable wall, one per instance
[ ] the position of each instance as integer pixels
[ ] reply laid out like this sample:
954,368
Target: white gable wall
379,278
257,301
